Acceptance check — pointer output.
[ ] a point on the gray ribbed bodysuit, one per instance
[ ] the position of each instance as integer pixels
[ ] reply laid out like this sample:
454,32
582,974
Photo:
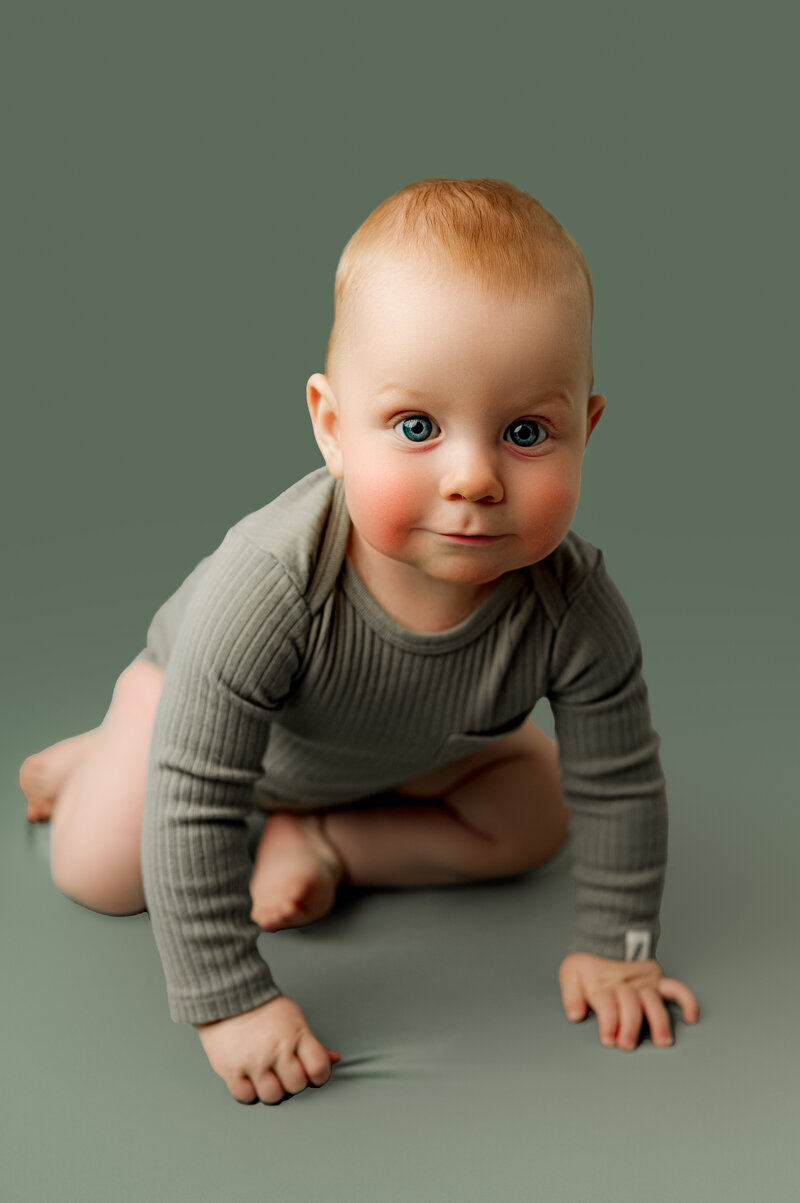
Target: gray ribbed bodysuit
285,680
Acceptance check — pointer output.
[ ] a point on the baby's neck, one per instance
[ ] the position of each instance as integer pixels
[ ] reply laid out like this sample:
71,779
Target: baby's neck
439,607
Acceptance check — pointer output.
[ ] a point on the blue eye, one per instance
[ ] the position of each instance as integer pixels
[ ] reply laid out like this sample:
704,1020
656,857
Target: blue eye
417,428
527,433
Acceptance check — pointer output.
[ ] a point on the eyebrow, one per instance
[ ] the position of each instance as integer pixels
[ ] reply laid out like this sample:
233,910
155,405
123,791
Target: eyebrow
555,397
418,393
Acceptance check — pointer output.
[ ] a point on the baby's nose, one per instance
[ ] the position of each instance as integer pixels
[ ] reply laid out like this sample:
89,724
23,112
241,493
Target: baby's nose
473,476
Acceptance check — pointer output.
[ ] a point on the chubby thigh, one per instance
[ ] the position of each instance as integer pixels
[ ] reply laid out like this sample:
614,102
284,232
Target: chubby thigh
526,741
508,790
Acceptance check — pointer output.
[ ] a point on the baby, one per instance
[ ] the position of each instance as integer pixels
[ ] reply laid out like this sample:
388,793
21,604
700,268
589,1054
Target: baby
359,658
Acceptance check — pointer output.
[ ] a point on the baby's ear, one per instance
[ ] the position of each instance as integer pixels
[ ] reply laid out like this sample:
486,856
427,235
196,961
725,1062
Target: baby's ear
594,412
324,411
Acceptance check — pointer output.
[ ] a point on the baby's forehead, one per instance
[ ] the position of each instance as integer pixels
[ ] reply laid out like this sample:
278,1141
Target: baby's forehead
442,283
401,348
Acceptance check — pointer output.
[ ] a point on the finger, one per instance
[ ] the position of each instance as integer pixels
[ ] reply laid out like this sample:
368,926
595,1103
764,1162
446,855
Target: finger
243,1091
657,1017
630,1017
675,991
572,995
604,1004
270,1088
314,1059
291,1073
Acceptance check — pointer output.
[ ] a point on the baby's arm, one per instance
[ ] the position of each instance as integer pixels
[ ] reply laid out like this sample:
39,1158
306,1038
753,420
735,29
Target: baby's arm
237,648
210,733
614,787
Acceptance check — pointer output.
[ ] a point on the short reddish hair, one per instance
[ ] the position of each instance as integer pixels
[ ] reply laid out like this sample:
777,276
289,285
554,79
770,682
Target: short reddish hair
483,229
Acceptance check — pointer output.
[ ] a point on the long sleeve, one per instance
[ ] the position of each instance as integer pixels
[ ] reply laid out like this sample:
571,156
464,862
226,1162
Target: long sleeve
239,643
611,773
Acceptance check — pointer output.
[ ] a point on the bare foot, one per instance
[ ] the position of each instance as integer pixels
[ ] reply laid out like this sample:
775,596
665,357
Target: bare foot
43,774
297,871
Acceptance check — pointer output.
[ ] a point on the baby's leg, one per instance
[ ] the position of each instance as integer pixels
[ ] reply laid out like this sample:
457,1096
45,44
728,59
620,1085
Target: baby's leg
97,798
43,774
495,813
296,873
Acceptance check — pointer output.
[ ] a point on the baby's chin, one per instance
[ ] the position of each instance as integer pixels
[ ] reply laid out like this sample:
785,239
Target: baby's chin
467,569
480,567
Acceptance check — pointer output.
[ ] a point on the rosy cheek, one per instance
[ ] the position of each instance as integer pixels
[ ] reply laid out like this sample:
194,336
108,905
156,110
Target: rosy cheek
383,504
554,505
560,495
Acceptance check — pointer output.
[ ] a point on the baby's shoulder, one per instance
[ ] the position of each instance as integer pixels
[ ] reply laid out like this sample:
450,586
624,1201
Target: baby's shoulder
291,528
265,569
557,578
573,561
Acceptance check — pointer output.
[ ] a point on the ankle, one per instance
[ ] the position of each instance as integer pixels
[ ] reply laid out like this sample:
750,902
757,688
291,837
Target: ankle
323,827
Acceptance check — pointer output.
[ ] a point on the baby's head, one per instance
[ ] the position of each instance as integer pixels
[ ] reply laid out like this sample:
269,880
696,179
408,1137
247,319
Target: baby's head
457,395
485,232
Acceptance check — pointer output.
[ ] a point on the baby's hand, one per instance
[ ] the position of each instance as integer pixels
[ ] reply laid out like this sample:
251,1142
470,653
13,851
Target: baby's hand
264,1053
618,992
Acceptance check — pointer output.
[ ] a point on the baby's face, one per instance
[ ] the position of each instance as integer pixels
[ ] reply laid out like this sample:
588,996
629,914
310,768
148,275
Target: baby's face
459,425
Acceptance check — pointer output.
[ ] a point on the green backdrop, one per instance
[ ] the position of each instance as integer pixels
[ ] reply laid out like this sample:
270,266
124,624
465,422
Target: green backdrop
179,180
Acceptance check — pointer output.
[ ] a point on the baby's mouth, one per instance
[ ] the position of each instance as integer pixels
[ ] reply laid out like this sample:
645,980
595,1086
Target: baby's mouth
478,539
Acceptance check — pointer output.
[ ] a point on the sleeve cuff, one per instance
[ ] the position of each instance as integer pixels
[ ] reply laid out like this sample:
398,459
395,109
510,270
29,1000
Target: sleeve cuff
222,1005
633,944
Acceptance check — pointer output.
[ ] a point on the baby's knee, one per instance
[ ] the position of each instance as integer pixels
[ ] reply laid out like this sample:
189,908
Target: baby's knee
98,891
140,685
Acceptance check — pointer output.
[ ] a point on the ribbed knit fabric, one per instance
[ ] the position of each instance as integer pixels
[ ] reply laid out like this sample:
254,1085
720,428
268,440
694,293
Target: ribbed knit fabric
285,680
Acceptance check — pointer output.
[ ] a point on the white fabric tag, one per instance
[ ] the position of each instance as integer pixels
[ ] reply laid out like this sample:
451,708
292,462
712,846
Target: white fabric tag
638,945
